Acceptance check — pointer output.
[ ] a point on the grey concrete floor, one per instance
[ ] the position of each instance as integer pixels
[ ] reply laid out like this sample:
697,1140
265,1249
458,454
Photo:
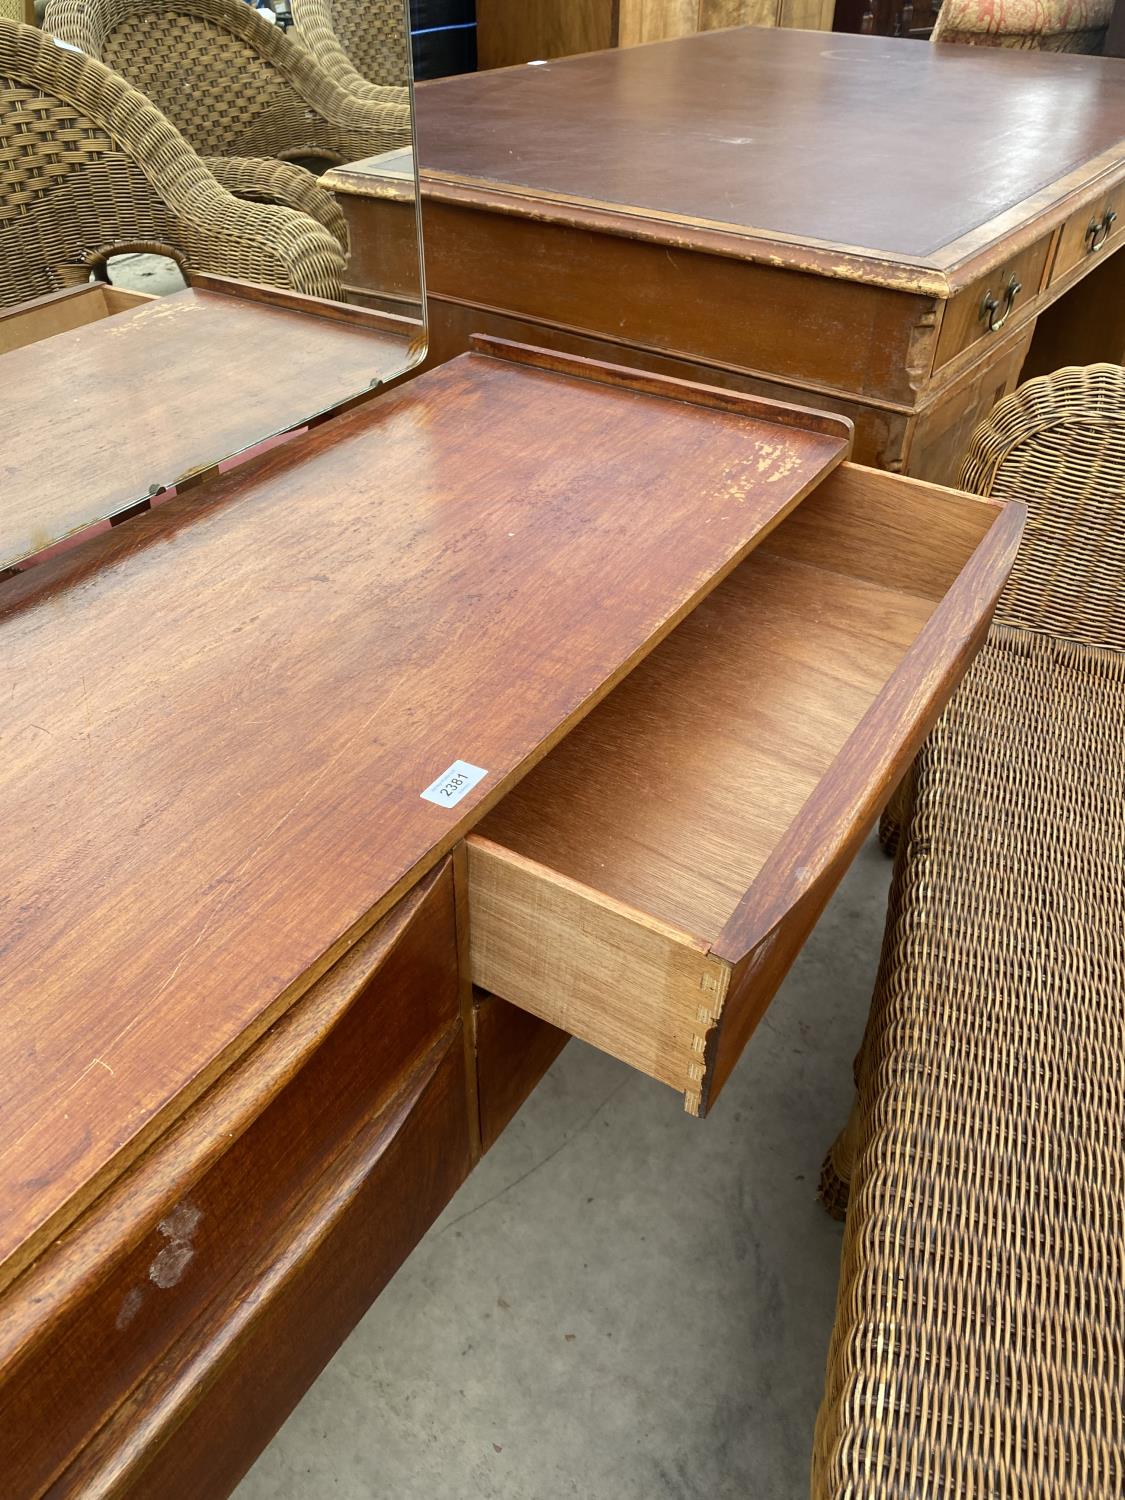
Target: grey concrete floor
621,1303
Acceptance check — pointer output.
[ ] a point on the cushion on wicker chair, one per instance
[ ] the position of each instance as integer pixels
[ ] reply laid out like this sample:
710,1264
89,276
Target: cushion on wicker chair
1049,25
979,1343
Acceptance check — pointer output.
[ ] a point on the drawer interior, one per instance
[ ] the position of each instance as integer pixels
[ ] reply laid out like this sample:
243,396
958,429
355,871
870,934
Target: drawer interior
745,732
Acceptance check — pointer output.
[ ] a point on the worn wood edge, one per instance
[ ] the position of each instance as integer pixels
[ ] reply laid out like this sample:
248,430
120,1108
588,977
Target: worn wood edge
352,184
199,1135
920,275
752,372
994,240
850,793
671,387
941,274
366,319
147,1420
673,1035
89,555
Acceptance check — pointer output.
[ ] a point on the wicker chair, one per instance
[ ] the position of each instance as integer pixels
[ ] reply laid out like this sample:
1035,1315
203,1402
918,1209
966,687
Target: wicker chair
233,84
362,44
979,1344
1044,25
89,168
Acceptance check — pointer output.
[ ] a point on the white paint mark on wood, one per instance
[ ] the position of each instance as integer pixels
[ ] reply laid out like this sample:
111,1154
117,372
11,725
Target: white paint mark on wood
130,1306
172,1261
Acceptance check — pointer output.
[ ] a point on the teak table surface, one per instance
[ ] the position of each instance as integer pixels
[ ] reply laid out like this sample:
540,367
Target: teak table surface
147,398
916,156
218,720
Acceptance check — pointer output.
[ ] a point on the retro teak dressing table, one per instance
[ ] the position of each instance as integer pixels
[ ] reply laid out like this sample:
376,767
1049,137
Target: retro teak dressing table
579,685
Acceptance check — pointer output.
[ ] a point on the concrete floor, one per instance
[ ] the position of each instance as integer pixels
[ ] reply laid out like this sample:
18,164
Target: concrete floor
622,1303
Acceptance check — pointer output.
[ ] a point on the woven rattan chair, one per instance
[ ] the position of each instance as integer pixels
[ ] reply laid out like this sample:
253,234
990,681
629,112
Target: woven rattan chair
979,1344
90,168
362,44
232,83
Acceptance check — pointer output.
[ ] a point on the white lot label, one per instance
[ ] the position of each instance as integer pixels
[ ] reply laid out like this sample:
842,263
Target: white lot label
454,784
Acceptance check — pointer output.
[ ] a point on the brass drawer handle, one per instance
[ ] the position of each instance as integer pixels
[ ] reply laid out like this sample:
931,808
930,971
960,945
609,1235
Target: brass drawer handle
990,305
1099,229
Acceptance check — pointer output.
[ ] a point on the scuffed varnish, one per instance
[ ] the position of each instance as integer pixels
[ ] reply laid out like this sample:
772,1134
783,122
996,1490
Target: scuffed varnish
172,1261
168,1265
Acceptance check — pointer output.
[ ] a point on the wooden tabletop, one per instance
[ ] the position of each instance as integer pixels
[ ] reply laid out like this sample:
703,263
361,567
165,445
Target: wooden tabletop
218,720
916,154
99,417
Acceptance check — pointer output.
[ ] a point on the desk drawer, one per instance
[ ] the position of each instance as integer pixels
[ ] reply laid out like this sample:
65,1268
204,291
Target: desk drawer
997,300
237,1184
1090,234
647,885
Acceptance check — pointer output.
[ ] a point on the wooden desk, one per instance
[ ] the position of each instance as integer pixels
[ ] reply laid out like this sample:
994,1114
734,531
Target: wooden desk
812,218
242,1068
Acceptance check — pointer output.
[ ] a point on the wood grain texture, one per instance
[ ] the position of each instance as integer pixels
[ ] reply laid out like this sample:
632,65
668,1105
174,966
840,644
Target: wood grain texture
139,1271
656,20
518,31
513,1050
210,792
621,979
200,1417
731,128
106,414
857,339
723,787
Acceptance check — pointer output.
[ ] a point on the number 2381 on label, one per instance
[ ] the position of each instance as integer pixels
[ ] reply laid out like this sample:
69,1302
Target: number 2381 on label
454,784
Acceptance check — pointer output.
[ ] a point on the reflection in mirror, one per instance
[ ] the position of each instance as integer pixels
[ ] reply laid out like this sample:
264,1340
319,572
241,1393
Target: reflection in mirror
180,274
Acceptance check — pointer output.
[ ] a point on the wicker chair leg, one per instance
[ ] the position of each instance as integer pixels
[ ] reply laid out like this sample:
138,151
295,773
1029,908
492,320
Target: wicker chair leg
836,1173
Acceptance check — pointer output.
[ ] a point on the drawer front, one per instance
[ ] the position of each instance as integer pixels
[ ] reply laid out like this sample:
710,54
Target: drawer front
1091,234
648,884
992,302
135,1273
195,1425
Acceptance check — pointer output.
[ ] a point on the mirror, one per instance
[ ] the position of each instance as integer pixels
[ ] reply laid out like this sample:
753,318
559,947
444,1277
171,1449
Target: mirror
209,238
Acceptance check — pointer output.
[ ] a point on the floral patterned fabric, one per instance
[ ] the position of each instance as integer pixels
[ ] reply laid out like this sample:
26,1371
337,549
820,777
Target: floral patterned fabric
1057,25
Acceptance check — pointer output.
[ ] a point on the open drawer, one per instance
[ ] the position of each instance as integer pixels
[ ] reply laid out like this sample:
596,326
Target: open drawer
648,884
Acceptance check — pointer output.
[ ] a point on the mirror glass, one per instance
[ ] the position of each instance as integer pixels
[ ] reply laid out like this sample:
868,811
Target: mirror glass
209,238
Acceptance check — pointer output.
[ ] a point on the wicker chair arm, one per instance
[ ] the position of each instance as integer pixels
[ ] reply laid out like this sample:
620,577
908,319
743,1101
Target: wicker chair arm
314,32
261,179
367,124
215,231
